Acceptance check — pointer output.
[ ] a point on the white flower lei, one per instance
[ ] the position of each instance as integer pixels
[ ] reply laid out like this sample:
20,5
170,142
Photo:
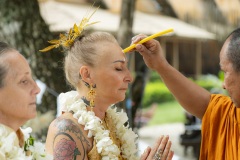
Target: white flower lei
9,151
105,146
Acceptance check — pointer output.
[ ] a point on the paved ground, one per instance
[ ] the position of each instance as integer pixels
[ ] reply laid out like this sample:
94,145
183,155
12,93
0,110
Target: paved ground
148,135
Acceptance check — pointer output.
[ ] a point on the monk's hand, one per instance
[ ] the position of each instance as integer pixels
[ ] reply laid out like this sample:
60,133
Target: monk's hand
151,51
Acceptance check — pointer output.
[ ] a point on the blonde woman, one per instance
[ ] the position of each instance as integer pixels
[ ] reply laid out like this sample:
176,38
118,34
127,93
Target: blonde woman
90,126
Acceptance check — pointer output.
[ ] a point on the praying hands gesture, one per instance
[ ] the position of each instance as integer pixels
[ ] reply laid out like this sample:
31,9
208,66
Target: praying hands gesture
161,150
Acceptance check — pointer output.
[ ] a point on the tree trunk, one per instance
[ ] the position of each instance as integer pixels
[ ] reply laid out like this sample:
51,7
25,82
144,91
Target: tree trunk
166,8
124,39
125,29
215,21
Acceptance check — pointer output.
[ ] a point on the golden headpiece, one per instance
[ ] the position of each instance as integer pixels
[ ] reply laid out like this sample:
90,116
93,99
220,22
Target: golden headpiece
67,40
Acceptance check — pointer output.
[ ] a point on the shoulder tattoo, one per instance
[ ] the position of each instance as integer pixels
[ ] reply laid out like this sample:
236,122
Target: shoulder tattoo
66,148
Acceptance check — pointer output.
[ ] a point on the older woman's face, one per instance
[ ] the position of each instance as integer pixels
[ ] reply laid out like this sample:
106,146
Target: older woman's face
18,95
111,74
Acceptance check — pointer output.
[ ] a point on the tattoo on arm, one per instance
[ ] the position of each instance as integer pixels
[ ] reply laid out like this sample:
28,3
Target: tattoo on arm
66,149
65,125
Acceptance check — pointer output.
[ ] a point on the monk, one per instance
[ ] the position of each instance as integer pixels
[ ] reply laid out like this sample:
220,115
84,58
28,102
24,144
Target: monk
220,114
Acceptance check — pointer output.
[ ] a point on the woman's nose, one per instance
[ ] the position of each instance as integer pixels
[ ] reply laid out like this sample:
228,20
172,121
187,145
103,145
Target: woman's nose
36,89
129,77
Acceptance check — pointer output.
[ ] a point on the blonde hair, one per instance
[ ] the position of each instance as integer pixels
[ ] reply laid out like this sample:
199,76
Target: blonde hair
84,52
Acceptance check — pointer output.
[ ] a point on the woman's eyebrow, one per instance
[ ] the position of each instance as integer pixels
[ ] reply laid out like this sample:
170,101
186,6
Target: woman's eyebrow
122,61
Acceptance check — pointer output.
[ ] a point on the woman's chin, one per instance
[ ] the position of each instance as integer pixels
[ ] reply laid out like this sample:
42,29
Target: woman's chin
33,115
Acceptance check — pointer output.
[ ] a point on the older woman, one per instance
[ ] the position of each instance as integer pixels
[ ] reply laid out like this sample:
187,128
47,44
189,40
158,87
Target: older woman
17,105
90,126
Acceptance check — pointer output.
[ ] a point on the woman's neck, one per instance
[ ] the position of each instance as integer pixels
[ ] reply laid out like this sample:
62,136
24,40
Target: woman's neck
11,123
99,112
100,106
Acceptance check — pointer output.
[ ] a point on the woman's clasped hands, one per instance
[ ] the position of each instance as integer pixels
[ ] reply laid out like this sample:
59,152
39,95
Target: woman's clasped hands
161,150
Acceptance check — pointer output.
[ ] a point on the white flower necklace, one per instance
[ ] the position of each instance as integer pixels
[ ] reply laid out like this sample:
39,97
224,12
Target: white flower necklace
105,146
9,150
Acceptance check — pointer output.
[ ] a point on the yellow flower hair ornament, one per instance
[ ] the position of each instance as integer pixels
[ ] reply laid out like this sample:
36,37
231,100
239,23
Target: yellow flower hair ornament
67,40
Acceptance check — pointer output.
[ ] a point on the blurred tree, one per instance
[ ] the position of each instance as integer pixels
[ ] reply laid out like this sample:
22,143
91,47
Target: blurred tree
166,8
99,3
22,26
124,36
213,21
137,90
133,100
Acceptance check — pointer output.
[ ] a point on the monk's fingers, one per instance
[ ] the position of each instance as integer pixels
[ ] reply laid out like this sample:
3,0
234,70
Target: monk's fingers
138,38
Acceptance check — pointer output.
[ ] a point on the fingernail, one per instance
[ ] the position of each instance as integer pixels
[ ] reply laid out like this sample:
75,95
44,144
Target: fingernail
146,149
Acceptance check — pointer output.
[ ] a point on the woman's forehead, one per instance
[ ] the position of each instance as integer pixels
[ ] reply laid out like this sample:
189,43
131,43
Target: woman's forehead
111,52
18,65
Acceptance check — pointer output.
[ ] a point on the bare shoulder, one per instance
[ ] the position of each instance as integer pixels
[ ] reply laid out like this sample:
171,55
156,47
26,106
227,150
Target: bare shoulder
67,139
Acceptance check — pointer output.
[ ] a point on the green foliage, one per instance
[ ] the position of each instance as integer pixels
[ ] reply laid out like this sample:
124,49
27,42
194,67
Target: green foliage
208,85
156,92
221,75
211,83
168,112
154,76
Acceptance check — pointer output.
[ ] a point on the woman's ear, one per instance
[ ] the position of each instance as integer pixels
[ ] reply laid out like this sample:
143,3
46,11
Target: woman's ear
84,72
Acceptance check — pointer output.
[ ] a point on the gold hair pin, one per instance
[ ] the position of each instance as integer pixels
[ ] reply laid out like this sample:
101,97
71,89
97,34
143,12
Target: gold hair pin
147,39
67,40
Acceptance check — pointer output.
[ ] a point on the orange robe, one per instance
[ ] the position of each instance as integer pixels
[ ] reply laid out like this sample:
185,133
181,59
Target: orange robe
220,130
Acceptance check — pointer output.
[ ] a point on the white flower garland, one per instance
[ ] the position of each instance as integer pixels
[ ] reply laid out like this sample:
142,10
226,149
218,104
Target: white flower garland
9,150
105,146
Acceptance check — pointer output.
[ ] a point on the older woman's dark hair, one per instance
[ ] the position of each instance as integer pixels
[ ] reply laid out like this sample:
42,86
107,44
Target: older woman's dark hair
4,48
233,52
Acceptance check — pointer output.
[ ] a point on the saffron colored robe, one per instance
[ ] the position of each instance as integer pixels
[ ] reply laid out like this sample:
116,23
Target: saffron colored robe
220,130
